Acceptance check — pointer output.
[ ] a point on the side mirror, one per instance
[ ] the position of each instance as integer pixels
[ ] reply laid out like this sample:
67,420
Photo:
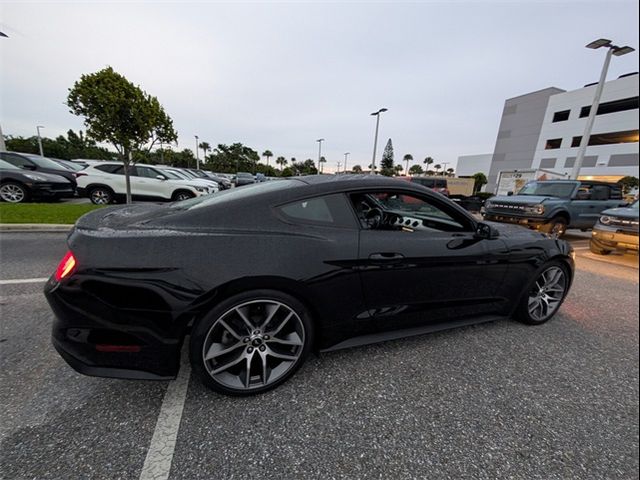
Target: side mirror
161,177
485,231
509,194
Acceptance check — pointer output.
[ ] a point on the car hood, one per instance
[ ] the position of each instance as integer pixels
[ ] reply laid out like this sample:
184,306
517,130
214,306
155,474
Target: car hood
521,199
624,212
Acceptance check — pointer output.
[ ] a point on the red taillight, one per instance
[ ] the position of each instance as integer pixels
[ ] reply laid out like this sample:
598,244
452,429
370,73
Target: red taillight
66,267
79,174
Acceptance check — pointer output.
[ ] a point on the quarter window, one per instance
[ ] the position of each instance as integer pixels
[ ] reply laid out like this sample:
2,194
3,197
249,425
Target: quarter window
327,210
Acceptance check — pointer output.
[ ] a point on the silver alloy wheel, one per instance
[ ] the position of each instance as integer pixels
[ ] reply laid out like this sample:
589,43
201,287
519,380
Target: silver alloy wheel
558,229
183,196
12,193
547,293
100,196
253,344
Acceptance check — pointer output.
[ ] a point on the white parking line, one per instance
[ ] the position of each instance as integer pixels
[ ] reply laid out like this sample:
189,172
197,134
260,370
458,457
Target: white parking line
157,465
16,281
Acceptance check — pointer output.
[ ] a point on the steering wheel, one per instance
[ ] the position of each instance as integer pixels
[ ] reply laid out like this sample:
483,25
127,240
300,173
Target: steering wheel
374,217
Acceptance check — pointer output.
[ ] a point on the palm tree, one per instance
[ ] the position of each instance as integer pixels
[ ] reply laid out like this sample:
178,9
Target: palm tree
205,147
437,167
428,161
397,169
322,161
407,158
282,162
267,154
450,171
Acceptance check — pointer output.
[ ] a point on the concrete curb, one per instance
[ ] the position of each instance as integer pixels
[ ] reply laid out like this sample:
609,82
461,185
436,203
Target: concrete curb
34,227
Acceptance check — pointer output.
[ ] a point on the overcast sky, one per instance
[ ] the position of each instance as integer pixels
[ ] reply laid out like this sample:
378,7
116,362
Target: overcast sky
281,75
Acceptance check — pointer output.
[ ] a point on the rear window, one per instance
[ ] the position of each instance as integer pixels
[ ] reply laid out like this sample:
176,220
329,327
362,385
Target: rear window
236,194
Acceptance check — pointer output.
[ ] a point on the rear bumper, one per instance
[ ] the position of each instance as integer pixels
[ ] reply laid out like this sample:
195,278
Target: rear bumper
98,340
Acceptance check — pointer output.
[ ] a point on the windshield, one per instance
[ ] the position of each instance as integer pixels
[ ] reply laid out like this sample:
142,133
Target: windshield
43,162
7,166
171,175
548,189
234,194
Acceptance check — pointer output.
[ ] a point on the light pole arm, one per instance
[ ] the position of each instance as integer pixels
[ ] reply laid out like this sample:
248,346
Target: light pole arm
584,141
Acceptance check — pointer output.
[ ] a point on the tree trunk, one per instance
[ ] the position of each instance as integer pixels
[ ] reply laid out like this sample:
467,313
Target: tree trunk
126,164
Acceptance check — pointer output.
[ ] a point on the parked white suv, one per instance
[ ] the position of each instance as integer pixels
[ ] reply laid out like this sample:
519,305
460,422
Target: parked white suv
105,183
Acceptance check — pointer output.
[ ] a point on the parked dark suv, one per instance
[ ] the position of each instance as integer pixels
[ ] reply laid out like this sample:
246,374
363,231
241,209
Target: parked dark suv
36,163
552,206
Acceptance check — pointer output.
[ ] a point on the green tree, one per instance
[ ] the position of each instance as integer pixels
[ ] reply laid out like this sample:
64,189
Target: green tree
267,154
233,158
628,183
415,170
437,167
356,169
428,161
450,172
480,180
322,161
282,162
205,147
386,164
120,113
74,145
308,167
397,169
407,158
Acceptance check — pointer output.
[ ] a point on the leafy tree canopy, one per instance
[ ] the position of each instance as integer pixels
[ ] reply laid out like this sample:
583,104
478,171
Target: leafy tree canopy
74,145
233,158
480,179
415,170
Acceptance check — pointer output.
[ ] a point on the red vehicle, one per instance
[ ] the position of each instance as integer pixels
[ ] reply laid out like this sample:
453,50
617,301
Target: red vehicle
437,184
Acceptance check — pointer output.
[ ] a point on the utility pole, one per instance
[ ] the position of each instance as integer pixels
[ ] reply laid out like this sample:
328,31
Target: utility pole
38,127
320,140
197,154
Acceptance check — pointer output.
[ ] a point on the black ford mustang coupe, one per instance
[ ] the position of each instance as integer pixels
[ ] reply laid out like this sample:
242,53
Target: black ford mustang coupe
261,275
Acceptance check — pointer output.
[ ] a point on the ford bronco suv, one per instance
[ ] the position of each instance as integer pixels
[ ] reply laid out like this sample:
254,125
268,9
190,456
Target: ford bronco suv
552,206
617,229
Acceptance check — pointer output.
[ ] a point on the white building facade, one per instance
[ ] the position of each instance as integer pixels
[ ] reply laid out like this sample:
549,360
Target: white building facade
613,145
469,164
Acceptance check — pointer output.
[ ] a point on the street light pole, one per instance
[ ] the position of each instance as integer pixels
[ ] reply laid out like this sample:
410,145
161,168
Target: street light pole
3,147
444,168
375,138
346,155
584,141
38,127
197,154
320,140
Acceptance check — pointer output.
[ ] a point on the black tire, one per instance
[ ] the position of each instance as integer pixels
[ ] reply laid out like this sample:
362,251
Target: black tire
523,313
14,192
206,328
596,248
556,227
101,195
180,195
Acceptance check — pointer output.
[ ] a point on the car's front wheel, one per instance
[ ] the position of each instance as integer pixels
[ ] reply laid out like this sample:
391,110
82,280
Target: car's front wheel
182,195
556,227
13,192
545,294
251,342
598,249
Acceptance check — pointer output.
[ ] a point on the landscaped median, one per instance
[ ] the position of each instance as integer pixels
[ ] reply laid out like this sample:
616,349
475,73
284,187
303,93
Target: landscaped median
43,213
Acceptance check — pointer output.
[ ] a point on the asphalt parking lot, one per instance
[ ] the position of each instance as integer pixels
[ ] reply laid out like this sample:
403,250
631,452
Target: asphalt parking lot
498,400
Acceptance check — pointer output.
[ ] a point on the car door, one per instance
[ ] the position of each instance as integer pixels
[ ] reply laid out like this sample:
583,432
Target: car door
589,201
426,266
150,185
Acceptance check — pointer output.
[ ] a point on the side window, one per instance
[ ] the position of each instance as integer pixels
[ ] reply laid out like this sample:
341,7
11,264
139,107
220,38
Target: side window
441,183
146,172
16,160
133,171
600,192
584,192
407,213
108,168
330,210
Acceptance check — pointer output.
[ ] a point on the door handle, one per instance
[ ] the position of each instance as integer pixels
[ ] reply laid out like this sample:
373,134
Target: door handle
386,257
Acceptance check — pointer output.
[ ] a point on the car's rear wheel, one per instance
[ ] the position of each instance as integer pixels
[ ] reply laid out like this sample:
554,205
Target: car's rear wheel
556,227
251,342
101,195
545,294
598,249
13,192
182,195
